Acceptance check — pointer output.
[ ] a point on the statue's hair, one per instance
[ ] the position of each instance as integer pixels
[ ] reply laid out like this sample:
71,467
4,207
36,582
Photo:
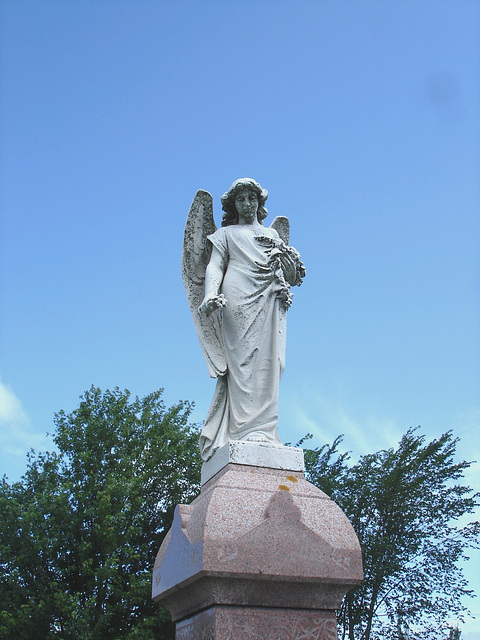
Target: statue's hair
228,200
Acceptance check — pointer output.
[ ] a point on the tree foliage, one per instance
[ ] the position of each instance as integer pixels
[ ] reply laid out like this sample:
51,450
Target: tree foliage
404,505
79,532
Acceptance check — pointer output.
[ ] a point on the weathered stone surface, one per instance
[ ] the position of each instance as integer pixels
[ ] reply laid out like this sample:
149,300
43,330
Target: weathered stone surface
238,279
256,539
258,624
255,455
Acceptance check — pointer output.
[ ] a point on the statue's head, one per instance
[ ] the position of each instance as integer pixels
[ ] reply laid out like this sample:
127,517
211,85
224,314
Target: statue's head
228,200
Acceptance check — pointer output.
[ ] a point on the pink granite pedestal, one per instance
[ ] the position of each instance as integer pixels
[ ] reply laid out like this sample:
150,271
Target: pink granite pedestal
260,554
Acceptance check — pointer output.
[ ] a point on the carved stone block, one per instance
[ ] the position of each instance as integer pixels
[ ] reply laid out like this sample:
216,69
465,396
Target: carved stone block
258,546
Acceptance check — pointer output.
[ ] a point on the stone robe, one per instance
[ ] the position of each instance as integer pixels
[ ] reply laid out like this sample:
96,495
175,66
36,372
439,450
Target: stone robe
245,402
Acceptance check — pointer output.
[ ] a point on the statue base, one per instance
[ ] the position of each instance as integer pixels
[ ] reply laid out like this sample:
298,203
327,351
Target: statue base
253,454
250,623
260,553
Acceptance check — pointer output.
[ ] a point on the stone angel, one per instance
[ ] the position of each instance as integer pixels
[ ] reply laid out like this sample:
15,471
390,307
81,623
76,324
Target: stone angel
237,279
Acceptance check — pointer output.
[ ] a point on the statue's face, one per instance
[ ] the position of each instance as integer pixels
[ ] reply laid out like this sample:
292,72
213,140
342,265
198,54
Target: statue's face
246,204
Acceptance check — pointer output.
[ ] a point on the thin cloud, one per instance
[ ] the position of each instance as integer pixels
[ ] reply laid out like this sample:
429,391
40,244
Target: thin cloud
325,419
466,426
17,436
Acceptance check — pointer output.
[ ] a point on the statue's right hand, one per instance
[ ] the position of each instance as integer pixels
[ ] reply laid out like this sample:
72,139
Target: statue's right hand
209,305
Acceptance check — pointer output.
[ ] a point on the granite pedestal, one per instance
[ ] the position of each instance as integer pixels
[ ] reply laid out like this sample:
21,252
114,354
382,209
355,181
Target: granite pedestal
260,554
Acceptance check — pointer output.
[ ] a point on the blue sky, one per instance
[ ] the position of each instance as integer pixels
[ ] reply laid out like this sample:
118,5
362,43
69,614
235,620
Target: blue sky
362,121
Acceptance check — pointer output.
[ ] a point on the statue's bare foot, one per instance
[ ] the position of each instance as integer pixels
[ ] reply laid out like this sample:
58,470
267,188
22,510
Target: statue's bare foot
256,437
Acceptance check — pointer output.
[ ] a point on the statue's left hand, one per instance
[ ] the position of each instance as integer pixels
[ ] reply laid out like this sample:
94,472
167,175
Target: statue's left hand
287,264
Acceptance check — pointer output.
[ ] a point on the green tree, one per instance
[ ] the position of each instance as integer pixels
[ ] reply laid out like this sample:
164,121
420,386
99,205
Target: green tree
79,532
404,504
455,634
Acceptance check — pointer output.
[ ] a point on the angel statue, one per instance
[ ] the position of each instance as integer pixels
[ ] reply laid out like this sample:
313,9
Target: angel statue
238,280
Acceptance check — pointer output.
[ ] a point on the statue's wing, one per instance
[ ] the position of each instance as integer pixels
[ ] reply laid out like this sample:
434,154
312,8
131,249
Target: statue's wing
282,227
195,257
